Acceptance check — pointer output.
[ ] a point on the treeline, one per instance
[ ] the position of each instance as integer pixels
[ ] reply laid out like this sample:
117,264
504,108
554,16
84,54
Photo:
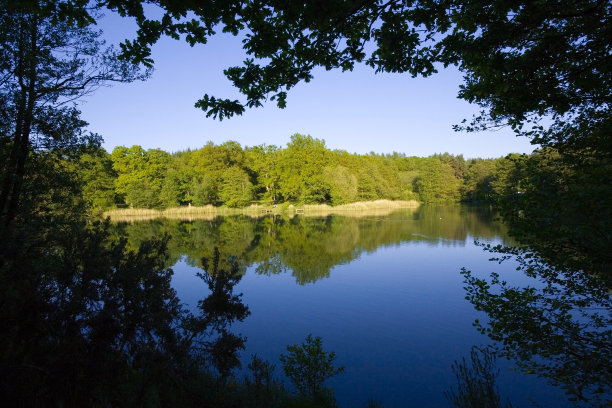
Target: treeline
306,171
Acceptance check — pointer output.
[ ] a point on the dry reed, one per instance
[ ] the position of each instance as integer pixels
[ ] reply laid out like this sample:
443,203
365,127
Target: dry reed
208,212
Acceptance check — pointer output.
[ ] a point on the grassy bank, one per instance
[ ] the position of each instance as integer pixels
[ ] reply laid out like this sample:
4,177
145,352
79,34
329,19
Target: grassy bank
363,208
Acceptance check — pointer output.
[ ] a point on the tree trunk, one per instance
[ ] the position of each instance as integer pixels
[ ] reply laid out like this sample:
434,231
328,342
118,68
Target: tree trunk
15,171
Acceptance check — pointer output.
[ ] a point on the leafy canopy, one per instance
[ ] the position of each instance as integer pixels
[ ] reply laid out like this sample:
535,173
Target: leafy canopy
520,59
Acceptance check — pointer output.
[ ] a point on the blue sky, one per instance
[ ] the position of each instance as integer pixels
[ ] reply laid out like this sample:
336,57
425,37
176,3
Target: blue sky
355,111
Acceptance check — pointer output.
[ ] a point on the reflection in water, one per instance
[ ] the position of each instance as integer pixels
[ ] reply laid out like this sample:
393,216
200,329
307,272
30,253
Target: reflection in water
311,246
390,305
216,313
87,321
477,382
399,318
558,326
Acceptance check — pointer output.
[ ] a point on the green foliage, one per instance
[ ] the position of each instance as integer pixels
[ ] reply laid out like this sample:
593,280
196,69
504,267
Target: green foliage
178,185
519,59
263,162
204,191
555,203
309,247
343,184
561,209
262,390
506,180
303,172
140,175
437,183
95,169
477,185
236,188
457,163
91,319
300,165
522,61
93,322
217,311
308,366
79,305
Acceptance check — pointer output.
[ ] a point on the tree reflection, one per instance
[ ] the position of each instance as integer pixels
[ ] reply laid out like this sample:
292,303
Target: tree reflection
476,382
221,308
310,247
560,327
88,321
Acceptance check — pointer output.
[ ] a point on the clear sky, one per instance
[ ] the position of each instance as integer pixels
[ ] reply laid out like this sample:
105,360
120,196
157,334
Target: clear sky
357,111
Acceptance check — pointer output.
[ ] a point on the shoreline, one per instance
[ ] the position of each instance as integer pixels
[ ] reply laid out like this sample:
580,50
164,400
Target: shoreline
209,212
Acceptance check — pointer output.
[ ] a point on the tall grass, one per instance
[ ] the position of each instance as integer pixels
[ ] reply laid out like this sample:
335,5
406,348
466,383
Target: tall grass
209,212
360,206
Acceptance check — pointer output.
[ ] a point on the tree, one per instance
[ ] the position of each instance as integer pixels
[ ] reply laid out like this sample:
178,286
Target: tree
95,169
236,188
525,63
219,310
178,185
308,366
45,65
558,207
437,182
263,390
343,184
300,167
140,175
477,183
457,163
205,191
507,175
263,161
520,59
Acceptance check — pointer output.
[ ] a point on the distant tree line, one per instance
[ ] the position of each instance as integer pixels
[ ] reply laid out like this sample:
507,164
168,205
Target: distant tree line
306,171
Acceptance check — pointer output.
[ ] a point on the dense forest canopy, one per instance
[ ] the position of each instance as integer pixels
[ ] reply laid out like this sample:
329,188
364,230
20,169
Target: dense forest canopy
303,172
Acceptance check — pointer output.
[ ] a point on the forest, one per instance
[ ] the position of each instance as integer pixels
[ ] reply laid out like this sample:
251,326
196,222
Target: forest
305,172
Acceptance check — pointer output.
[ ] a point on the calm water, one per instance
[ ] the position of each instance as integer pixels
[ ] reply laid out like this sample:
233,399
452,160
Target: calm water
383,291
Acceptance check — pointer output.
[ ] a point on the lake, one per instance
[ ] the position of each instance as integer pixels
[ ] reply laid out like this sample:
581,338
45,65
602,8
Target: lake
383,291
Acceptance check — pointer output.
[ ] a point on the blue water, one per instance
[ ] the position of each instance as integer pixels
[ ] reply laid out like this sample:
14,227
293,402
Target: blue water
396,318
